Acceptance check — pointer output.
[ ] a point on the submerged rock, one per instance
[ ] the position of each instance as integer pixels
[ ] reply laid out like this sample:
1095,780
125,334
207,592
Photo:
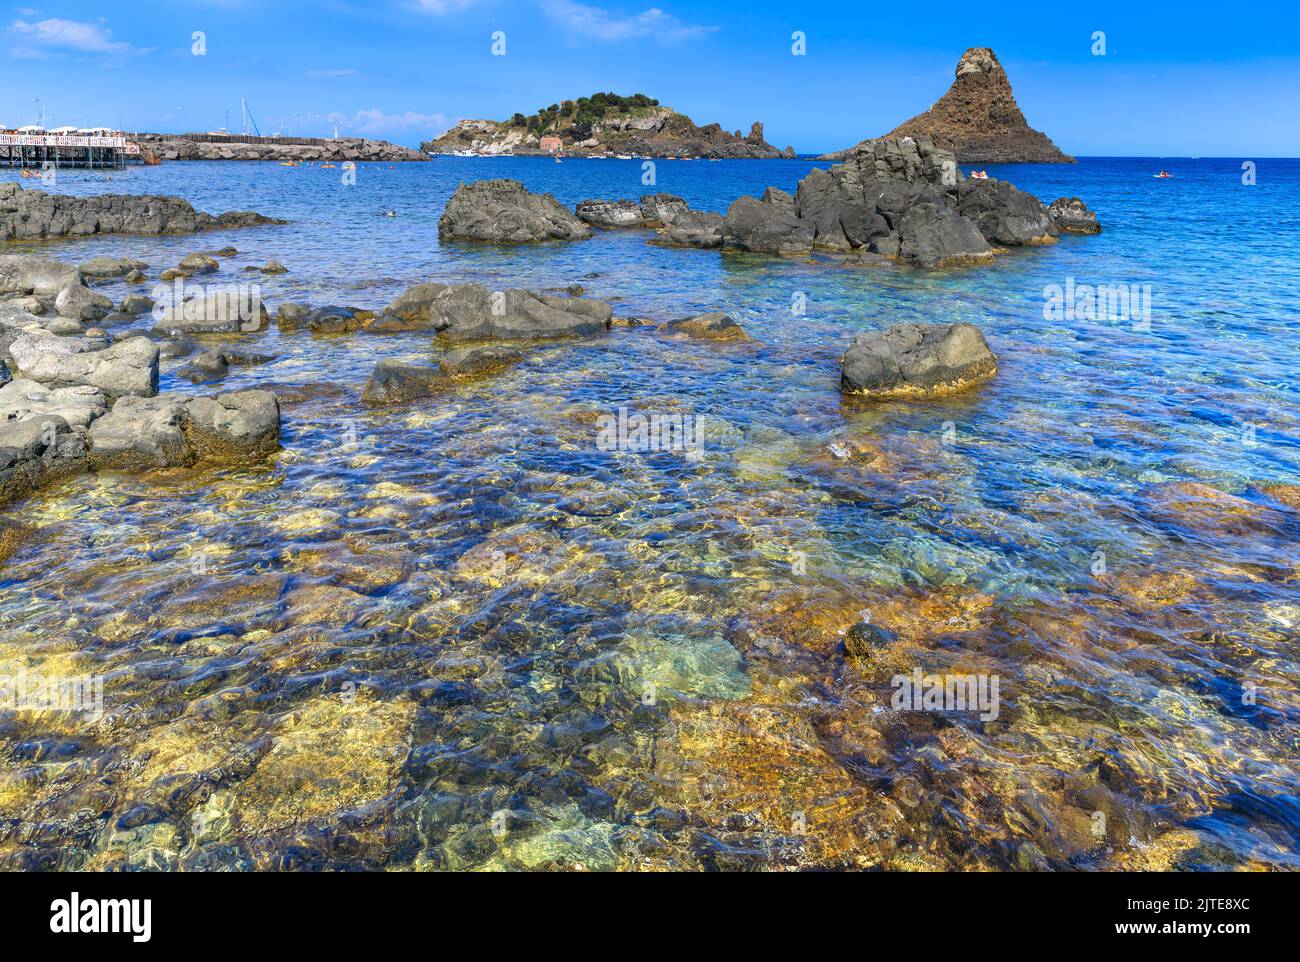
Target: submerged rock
472,312
917,360
712,327
505,212
104,267
1072,216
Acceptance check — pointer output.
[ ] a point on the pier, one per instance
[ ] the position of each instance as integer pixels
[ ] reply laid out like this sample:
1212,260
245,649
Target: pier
41,150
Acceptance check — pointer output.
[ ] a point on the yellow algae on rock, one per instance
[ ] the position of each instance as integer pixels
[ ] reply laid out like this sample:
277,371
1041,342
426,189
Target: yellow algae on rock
763,767
328,758
1200,507
309,520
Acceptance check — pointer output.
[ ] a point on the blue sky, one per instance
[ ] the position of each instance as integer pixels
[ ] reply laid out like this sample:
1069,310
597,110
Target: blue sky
1177,79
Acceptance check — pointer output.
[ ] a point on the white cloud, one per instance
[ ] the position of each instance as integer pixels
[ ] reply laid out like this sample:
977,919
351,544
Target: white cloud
375,122
440,7
601,24
338,72
66,35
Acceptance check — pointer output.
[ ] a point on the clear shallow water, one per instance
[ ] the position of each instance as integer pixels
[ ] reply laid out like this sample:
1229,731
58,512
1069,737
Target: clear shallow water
418,618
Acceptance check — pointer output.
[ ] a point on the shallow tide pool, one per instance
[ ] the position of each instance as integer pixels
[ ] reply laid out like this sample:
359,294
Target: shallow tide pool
458,634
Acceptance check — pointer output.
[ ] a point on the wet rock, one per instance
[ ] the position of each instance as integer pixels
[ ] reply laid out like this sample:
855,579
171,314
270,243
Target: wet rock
864,641
173,274
1004,215
173,430
395,381
35,451
82,304
12,536
240,427
215,363
129,367
713,327
916,360
199,264
472,312
274,267
136,277
329,758
504,212
1072,216
292,315
136,304
105,267
218,311
5,376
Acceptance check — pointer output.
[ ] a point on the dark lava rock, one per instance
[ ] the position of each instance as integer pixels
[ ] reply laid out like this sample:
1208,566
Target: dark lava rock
505,212
1072,216
917,361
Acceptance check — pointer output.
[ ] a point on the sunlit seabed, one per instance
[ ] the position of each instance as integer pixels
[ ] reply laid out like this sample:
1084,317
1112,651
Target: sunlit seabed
417,619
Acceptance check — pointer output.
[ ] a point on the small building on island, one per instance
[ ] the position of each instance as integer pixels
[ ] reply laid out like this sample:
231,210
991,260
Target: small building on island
552,145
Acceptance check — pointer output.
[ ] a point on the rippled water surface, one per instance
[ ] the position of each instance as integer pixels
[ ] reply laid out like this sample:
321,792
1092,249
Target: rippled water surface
459,635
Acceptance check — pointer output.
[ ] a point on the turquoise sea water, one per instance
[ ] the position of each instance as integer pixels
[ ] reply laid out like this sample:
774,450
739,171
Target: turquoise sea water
501,594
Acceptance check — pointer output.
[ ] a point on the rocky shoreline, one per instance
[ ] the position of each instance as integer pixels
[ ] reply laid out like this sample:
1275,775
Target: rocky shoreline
73,397
37,215
170,147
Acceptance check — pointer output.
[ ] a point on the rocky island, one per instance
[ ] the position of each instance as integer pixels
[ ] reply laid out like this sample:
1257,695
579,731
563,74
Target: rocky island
978,119
899,200
604,124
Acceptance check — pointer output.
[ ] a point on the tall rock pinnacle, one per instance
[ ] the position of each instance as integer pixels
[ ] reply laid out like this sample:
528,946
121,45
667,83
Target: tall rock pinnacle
979,120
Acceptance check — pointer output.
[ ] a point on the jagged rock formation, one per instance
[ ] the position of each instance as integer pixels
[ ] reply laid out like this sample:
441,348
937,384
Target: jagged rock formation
978,119
180,147
1072,216
898,199
916,361
505,212
36,215
605,124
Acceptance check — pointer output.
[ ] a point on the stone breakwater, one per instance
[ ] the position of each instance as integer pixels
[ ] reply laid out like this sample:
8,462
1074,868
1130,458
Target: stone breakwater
174,147
900,200
37,215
